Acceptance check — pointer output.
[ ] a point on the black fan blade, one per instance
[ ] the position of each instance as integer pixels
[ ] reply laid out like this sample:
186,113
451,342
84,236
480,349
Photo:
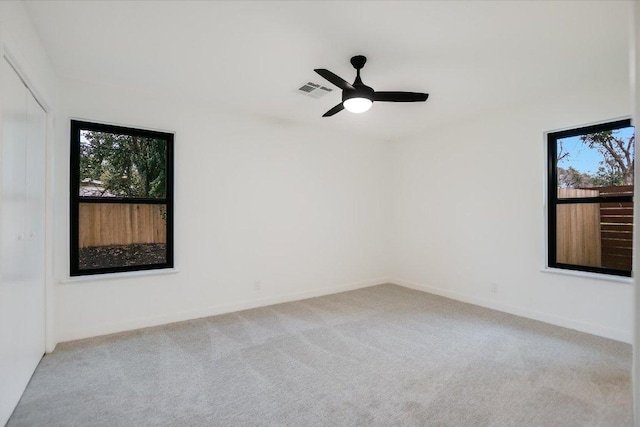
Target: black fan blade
334,110
400,96
336,80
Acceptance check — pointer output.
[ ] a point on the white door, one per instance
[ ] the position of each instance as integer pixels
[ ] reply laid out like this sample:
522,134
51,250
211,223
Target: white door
22,308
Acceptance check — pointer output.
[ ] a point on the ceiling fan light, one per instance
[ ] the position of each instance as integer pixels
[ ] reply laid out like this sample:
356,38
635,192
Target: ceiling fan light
357,105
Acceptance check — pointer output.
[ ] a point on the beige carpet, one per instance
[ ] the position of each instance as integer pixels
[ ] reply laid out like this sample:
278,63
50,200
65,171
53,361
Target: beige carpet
380,356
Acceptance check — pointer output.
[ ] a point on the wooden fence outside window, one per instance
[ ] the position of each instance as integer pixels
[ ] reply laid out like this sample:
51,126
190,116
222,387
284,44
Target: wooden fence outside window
114,224
595,234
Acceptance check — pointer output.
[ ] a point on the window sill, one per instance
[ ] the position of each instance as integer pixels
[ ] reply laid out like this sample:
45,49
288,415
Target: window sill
115,276
588,275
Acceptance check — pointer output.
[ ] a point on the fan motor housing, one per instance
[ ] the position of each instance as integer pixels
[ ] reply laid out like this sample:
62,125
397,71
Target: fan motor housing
361,91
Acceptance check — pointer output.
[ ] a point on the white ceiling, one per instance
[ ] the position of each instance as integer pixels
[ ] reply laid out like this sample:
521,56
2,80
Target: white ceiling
249,57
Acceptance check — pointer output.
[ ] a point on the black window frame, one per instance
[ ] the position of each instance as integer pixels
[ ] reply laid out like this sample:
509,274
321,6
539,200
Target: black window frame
554,201
75,199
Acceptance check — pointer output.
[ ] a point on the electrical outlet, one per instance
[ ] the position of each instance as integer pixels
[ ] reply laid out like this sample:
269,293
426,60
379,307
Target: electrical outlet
494,288
257,285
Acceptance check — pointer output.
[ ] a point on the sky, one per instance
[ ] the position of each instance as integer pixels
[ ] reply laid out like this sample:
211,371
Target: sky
581,157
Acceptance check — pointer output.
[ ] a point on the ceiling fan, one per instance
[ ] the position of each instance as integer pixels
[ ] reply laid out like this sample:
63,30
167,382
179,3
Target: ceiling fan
358,97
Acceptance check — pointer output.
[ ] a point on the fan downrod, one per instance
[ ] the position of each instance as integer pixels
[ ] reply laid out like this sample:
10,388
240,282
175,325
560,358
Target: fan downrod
358,62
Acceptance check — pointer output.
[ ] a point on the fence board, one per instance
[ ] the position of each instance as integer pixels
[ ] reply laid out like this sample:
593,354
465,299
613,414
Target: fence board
106,224
623,235
616,243
616,211
610,218
578,230
618,262
620,190
616,250
617,253
628,228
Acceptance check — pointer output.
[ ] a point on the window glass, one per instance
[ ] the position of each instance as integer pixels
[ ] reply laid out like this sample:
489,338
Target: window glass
120,165
122,234
591,173
121,199
595,235
595,160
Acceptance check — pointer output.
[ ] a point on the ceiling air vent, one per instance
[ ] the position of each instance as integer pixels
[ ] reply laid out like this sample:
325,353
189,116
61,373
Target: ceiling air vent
313,90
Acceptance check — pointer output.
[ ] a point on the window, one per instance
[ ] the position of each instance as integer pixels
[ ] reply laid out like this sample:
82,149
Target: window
121,199
590,190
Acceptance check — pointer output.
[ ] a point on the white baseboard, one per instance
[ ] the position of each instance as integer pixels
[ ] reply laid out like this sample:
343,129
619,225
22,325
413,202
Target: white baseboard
590,328
128,325
131,324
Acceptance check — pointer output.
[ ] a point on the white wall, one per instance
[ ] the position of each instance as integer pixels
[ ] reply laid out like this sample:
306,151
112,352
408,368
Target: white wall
469,212
301,210
23,44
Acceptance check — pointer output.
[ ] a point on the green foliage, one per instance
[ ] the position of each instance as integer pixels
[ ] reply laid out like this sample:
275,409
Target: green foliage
608,178
125,165
572,178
